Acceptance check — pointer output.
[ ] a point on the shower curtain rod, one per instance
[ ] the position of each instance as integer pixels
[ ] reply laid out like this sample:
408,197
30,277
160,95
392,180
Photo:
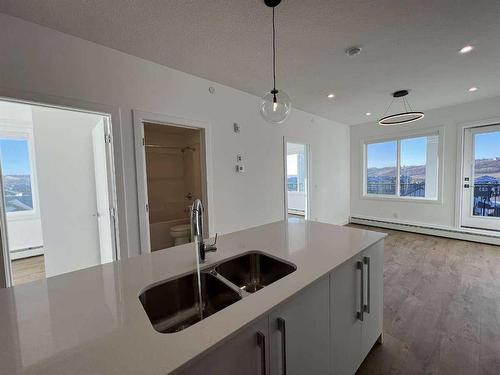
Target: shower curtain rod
182,149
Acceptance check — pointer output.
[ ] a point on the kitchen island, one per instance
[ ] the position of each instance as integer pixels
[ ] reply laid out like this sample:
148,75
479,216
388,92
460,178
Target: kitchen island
92,321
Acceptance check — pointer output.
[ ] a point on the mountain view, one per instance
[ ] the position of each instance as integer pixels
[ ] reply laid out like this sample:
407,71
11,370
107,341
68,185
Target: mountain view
18,195
412,183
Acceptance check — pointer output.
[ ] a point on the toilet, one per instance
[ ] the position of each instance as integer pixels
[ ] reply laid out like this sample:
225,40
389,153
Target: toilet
181,233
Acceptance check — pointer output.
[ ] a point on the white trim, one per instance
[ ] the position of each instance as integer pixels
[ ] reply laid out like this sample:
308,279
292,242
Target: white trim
439,131
116,163
139,118
307,145
6,279
26,253
433,230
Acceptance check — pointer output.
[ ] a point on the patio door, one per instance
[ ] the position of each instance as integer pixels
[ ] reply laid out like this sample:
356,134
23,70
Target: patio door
481,178
297,181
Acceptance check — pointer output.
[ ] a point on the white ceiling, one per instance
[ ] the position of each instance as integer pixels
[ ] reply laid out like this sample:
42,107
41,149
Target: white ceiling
406,44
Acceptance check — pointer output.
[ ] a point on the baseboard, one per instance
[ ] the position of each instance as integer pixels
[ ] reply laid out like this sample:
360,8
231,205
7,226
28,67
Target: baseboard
465,234
26,253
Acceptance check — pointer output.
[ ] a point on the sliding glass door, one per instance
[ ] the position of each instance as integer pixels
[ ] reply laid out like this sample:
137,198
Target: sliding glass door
481,178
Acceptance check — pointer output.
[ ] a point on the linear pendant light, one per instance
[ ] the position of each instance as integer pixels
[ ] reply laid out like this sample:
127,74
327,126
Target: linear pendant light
405,117
275,105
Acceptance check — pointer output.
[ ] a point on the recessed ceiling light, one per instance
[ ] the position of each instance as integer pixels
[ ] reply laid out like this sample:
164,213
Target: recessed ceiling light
331,96
466,49
368,113
472,89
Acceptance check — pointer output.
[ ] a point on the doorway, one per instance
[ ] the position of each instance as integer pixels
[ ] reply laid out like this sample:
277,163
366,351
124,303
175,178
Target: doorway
174,169
296,180
57,188
481,178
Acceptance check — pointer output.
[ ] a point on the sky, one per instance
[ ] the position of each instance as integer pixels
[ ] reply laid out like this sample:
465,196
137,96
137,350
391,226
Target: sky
487,145
14,156
413,152
291,165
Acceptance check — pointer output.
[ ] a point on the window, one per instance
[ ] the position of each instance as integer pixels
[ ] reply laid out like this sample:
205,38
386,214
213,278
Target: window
486,172
405,167
17,174
296,172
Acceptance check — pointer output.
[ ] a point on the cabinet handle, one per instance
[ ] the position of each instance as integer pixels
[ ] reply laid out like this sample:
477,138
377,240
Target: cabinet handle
261,341
359,314
282,328
366,308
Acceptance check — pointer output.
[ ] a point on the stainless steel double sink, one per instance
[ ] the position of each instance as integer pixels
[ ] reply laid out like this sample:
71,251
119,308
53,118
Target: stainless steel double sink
175,304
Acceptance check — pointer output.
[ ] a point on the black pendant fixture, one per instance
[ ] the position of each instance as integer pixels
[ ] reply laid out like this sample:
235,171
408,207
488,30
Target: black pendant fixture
409,115
275,105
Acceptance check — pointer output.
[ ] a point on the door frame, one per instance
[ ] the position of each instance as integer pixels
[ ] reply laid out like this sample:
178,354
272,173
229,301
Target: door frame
459,202
309,175
459,176
116,170
139,118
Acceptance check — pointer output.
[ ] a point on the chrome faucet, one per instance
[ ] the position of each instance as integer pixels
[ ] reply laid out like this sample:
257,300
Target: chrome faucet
197,231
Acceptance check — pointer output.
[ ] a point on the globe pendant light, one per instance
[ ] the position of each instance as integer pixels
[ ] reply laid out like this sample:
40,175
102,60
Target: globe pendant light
275,105
403,117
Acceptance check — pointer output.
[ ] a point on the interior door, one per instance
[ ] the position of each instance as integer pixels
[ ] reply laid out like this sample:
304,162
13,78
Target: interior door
102,185
297,183
481,178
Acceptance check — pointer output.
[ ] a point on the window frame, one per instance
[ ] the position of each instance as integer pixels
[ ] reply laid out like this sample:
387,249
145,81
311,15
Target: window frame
24,133
398,138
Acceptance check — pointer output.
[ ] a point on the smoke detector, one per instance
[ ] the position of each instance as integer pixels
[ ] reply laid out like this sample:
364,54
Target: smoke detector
353,51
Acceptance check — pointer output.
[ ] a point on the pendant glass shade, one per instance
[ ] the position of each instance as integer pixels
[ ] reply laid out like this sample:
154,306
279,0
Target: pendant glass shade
275,106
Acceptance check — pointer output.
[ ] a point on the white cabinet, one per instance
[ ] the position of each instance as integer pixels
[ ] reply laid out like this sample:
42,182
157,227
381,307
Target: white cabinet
356,301
299,333
247,353
373,263
293,339
327,328
345,288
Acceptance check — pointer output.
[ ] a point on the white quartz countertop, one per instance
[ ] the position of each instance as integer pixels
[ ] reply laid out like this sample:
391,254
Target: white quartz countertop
92,322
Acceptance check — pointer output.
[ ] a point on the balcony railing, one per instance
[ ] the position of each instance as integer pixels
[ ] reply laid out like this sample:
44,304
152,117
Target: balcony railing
389,188
487,200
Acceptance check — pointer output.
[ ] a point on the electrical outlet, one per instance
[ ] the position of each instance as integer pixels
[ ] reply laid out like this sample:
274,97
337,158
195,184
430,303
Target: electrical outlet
239,158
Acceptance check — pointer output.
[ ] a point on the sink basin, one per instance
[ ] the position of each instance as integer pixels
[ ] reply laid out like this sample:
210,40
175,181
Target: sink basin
174,305
253,271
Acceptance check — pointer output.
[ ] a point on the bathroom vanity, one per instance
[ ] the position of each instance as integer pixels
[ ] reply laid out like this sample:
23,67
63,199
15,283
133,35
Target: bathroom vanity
282,298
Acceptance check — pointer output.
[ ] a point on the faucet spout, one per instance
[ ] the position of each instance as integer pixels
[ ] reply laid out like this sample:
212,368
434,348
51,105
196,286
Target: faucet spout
197,230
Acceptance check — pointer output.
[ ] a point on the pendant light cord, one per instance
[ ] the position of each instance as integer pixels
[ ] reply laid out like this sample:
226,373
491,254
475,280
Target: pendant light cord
274,55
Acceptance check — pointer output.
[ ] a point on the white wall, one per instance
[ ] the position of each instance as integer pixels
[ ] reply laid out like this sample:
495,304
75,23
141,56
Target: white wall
66,187
451,119
40,60
24,230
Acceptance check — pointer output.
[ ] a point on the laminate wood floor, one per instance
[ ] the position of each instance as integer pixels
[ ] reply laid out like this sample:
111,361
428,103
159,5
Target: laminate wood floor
441,307
28,269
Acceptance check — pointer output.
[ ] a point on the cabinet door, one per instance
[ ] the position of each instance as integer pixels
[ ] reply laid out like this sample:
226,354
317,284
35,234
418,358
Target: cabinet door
373,263
299,333
247,353
345,289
